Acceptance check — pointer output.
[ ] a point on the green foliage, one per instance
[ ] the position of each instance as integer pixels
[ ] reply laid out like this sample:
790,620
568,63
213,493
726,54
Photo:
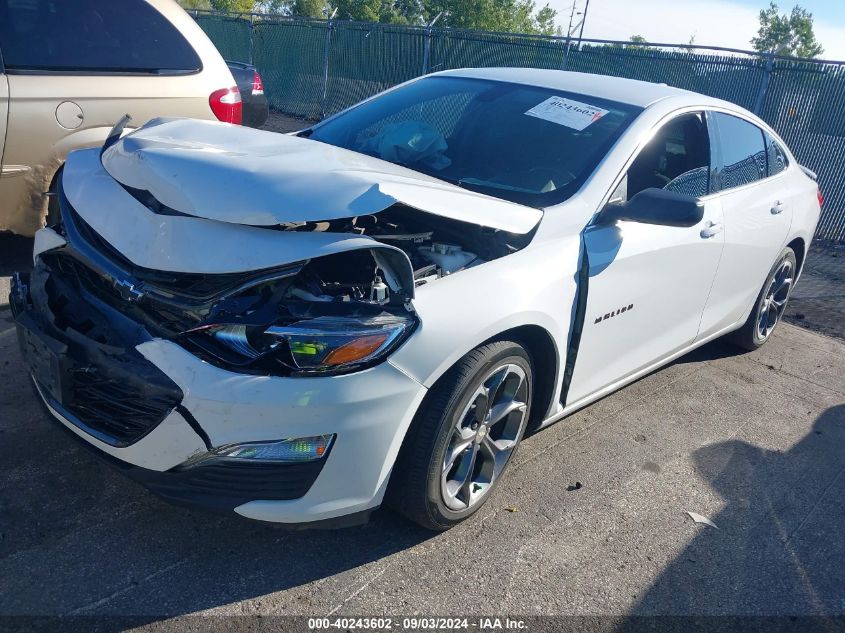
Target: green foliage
513,16
544,22
233,6
202,5
637,42
375,11
273,6
310,8
787,34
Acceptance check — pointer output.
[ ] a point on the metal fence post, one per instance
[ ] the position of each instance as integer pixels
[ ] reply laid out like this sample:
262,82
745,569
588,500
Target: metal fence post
329,29
427,45
764,85
251,36
566,53
426,51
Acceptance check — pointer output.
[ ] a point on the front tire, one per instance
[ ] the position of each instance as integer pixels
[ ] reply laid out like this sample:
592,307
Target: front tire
770,305
463,436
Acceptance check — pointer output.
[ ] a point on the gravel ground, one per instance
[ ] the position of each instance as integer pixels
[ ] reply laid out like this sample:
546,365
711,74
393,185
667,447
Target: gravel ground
278,122
818,301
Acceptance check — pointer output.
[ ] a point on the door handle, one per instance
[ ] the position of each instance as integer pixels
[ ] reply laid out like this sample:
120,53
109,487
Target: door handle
711,229
777,208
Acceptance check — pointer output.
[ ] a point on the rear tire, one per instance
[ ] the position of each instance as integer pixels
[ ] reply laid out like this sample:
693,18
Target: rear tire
770,305
463,437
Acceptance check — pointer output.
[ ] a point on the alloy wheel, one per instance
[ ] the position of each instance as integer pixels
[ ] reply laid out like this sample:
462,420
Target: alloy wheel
484,437
774,301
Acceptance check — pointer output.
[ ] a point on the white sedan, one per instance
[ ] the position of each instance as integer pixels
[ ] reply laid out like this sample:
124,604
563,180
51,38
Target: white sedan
376,309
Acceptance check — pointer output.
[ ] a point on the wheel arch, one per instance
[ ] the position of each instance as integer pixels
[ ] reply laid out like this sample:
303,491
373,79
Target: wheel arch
541,347
799,246
545,359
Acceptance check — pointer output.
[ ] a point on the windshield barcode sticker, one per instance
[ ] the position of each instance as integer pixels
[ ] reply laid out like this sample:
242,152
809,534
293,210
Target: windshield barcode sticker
572,114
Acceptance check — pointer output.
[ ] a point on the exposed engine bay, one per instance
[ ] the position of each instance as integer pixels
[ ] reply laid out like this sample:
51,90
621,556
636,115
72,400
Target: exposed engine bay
435,246
354,289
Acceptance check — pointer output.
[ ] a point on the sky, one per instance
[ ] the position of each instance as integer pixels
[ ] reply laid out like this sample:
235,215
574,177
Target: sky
730,23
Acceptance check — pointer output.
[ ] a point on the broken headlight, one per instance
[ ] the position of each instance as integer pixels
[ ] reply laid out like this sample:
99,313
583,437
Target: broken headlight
323,344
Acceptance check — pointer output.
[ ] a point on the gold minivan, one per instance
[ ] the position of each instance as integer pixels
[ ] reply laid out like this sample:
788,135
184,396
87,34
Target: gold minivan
70,70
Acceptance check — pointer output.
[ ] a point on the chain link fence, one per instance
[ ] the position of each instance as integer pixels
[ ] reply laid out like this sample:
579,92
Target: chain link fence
313,68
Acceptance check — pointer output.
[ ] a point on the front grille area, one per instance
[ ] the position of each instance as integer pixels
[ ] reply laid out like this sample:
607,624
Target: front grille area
116,393
117,409
82,353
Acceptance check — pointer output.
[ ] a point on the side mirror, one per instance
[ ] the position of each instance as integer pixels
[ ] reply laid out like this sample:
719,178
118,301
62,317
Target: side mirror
657,206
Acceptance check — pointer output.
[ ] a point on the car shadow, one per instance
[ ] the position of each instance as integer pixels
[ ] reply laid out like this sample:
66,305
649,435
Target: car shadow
714,350
763,559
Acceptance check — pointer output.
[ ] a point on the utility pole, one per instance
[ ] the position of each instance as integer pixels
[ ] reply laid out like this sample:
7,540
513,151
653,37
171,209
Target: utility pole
572,15
583,22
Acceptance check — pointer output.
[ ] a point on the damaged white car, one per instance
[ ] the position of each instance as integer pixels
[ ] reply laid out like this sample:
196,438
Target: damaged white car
377,309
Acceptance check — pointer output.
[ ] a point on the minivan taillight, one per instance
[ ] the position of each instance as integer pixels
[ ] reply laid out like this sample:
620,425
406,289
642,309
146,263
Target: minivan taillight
257,84
820,196
226,105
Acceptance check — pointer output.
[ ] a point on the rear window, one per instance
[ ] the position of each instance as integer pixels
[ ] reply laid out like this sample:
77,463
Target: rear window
776,156
123,36
526,144
743,152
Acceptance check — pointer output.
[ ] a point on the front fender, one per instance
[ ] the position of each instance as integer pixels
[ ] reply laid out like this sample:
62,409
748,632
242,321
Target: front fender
536,286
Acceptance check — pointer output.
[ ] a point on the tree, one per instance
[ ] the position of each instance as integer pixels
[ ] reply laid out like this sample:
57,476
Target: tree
373,11
202,5
637,42
508,16
273,6
310,8
233,6
544,22
787,34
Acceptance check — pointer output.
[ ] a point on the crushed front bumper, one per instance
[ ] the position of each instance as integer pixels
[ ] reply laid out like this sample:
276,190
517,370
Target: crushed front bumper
149,406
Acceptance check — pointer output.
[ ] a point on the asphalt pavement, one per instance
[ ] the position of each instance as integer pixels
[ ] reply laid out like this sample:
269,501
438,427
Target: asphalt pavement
753,442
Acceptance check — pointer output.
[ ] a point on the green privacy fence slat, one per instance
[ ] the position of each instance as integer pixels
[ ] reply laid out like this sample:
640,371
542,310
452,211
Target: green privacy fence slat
364,61
229,33
314,68
290,57
805,103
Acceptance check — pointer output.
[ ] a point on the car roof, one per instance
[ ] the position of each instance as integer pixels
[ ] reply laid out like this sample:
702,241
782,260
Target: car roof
630,91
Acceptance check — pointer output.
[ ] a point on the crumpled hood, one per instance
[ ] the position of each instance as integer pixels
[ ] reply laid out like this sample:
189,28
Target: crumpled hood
240,175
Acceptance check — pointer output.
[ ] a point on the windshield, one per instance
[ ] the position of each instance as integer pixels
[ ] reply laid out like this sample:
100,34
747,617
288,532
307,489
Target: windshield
534,146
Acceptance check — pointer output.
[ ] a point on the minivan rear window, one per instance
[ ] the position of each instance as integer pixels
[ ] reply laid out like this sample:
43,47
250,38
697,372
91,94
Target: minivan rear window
90,36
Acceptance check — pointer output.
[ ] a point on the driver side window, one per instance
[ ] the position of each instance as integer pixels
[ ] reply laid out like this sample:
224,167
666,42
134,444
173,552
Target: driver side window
676,159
